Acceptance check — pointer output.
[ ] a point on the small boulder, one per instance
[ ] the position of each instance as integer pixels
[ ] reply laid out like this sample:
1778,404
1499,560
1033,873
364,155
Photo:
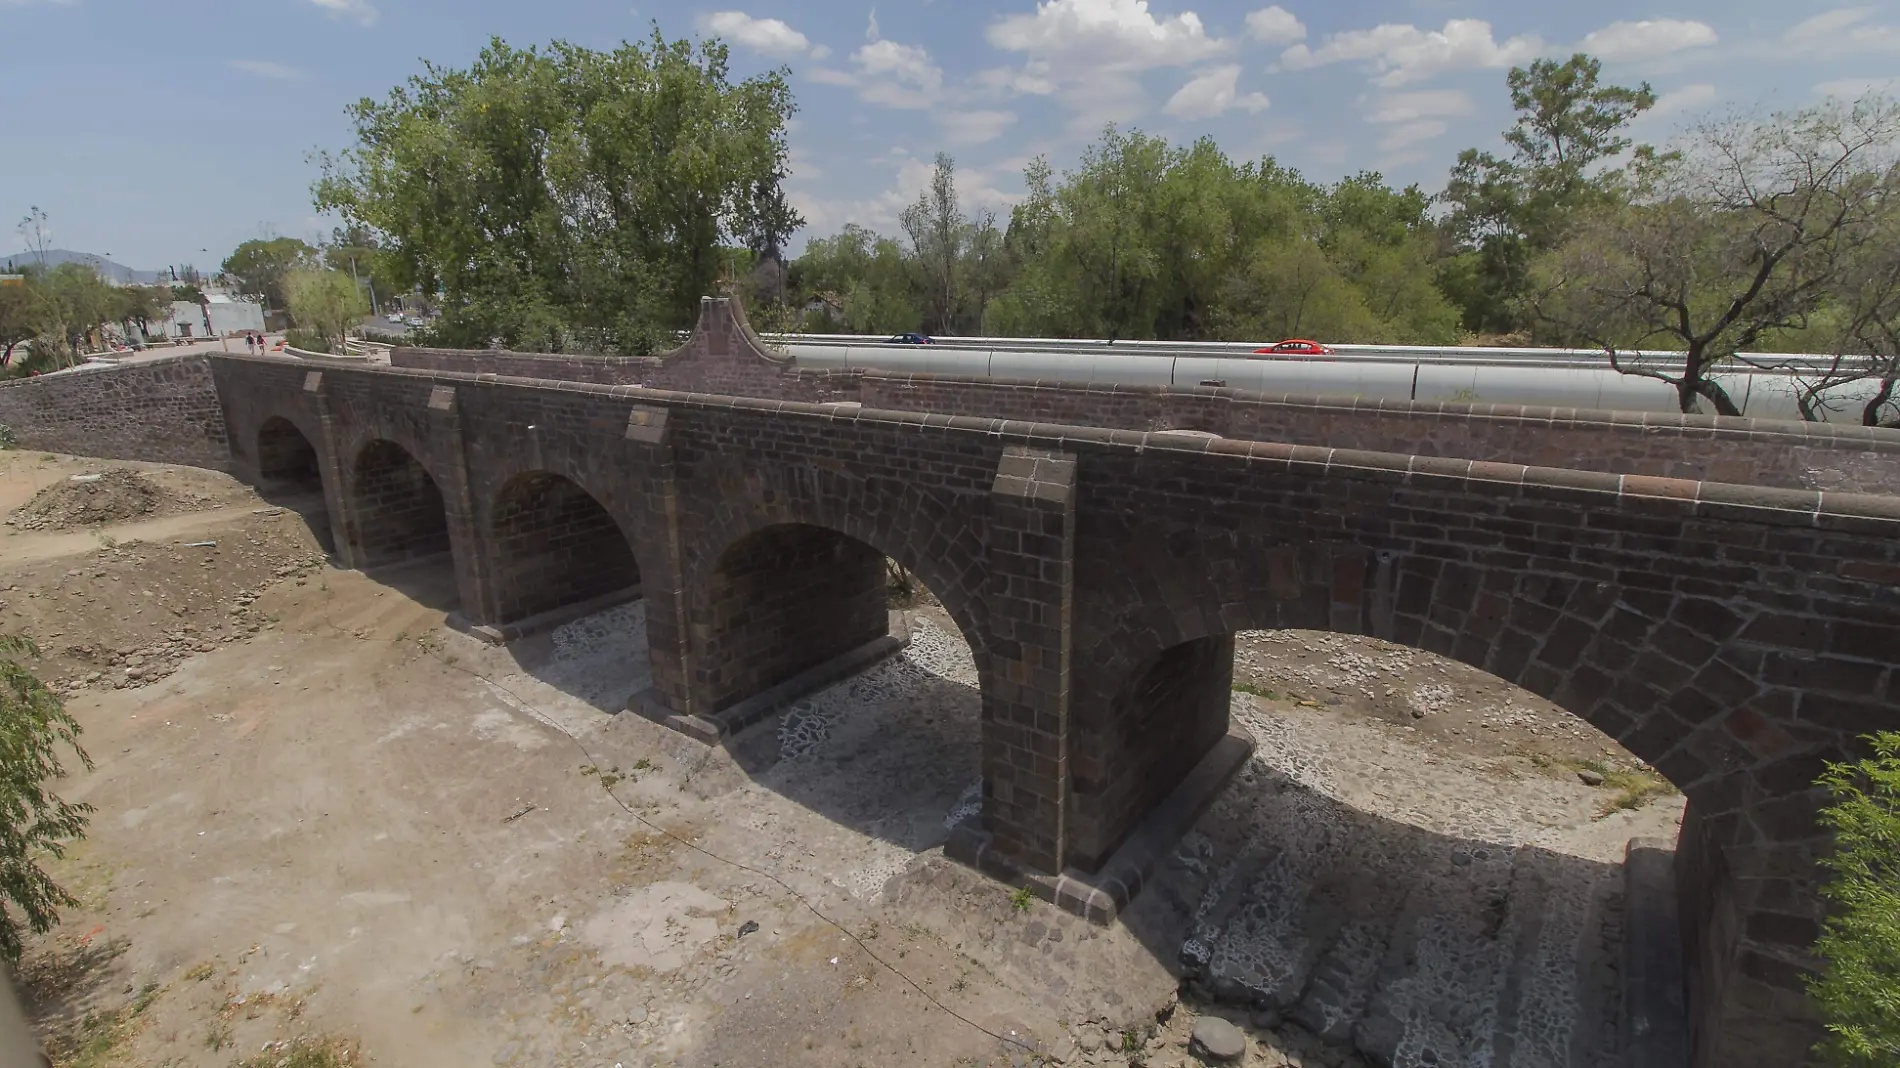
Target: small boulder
1217,1041
1590,777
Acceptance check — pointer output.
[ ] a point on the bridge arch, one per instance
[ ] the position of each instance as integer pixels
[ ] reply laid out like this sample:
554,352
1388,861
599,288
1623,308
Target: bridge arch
1669,678
398,512
289,470
801,540
555,545
287,458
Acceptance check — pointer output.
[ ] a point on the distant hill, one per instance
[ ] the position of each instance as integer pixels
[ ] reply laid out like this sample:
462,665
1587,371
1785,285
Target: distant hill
118,272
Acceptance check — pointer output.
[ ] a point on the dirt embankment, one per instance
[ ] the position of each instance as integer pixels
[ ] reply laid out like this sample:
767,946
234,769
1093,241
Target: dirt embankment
118,613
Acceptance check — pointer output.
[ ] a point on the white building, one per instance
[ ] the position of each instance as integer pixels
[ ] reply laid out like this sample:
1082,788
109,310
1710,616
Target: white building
220,316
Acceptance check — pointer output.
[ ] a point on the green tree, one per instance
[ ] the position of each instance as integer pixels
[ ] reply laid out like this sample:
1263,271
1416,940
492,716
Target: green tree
1504,211
139,306
34,822
325,302
937,229
1858,992
564,198
261,265
1745,233
23,315
78,304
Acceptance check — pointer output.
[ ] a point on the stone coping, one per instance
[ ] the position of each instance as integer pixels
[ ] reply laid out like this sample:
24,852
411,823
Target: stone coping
1864,513
1793,432
88,367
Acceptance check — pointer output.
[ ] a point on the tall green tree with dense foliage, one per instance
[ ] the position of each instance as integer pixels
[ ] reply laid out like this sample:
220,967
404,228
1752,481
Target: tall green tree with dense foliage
357,251
1858,991
1149,240
262,264
34,821
1505,211
568,199
1741,236
869,276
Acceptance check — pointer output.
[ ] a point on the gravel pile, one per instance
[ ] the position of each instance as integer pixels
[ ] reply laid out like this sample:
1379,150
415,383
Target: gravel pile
89,500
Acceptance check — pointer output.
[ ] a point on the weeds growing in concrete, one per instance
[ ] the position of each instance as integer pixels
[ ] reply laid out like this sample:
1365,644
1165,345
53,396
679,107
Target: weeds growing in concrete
1021,898
305,1053
101,1035
1251,690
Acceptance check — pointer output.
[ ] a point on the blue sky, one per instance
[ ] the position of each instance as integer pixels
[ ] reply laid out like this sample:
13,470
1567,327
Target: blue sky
166,134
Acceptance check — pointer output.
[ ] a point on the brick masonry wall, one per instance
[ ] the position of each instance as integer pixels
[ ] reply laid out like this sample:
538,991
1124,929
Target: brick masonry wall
1703,448
725,357
783,600
162,410
554,546
398,508
1734,636
600,370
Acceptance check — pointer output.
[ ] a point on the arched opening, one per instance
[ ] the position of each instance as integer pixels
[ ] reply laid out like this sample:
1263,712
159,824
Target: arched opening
286,461
1420,863
785,601
399,511
848,686
556,546
290,474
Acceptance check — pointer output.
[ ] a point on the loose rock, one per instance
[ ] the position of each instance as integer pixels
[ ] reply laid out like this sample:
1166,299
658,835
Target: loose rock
1217,1041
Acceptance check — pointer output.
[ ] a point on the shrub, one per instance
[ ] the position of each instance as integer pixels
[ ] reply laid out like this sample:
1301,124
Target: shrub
8,440
1859,990
33,821
307,340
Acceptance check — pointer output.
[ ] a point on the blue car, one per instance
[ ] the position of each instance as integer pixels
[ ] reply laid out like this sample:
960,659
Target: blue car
908,338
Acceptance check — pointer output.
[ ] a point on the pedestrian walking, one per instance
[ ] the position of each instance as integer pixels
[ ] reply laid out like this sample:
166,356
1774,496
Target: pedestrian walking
250,344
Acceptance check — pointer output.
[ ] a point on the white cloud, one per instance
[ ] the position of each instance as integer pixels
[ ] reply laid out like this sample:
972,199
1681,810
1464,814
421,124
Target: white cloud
1412,133
1855,88
1209,94
1275,25
1399,108
888,73
265,68
360,11
1403,53
974,127
1417,116
977,189
1687,98
1090,53
1646,39
1844,29
770,36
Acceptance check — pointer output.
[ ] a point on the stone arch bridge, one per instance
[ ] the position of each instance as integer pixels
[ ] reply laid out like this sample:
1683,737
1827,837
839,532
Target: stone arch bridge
1734,636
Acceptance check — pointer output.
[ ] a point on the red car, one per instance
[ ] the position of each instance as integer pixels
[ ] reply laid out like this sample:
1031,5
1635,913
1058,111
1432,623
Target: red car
1295,347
